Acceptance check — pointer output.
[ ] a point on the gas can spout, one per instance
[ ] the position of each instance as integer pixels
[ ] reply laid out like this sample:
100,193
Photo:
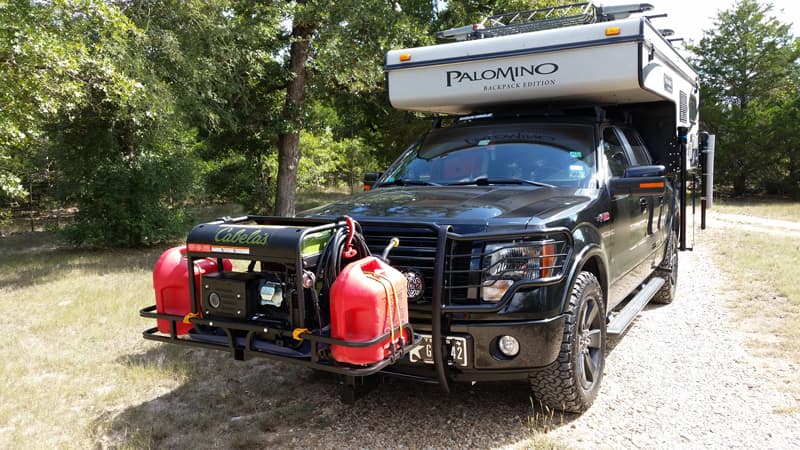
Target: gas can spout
394,242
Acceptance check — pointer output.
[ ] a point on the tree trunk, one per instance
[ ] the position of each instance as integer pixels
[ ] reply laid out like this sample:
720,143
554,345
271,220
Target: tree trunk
740,184
289,140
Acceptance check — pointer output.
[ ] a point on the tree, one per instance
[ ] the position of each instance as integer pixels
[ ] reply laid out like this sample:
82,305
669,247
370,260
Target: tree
37,66
122,152
746,61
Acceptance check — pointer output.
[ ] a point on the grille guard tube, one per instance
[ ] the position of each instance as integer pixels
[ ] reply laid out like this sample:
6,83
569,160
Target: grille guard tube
436,310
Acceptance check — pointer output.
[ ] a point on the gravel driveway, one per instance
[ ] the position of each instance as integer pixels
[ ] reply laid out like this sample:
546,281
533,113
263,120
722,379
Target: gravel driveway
682,376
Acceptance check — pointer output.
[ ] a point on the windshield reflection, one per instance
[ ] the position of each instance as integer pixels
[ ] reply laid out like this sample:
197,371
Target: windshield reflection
489,162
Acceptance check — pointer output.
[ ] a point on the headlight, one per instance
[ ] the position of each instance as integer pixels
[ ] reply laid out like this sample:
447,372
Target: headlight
505,263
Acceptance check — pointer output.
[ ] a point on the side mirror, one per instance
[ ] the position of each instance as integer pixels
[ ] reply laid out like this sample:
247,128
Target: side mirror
640,180
370,178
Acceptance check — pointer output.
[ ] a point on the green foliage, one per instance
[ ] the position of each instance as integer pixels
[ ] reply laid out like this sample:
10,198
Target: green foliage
748,65
127,169
121,152
330,162
132,109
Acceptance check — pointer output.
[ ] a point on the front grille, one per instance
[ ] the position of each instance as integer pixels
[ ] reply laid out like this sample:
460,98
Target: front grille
463,262
417,250
462,272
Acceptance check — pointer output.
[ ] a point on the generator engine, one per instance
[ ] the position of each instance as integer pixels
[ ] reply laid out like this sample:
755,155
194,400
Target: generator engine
244,295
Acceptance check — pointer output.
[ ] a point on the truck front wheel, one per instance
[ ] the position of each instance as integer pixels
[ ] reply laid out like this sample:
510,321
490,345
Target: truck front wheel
571,382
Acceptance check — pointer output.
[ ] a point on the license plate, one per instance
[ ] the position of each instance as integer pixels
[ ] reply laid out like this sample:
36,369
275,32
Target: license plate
456,349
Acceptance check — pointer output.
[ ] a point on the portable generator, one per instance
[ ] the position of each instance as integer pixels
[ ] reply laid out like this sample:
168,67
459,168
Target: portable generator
267,286
281,263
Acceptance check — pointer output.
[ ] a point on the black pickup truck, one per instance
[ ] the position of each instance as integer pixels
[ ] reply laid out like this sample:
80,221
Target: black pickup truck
520,241
558,232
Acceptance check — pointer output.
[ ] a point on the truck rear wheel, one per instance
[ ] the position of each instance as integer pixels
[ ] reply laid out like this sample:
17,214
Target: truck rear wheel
668,271
571,383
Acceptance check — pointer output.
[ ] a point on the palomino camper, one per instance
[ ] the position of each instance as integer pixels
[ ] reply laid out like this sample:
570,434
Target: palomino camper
540,213
561,58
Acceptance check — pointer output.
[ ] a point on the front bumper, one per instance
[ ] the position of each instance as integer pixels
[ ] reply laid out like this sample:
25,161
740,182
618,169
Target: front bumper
530,316
540,344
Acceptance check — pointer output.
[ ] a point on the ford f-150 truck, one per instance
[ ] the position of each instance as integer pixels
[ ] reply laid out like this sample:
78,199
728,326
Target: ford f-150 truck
542,211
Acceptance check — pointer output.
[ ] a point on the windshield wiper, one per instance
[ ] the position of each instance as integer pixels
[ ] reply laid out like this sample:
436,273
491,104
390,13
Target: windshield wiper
483,181
404,182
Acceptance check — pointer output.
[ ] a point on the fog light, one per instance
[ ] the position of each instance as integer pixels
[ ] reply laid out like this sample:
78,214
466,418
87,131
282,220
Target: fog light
508,345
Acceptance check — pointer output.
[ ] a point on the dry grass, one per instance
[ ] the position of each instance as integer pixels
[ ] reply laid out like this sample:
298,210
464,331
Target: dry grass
541,421
76,372
766,281
782,210
68,313
764,268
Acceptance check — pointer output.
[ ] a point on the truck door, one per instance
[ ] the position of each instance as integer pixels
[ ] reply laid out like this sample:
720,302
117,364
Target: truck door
650,216
628,226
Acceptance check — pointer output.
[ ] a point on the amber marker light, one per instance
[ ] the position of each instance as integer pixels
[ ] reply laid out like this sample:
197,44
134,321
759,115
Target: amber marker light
548,260
612,31
656,185
405,57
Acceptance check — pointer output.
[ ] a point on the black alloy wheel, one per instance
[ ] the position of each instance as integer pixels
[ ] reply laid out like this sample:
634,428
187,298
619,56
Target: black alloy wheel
572,381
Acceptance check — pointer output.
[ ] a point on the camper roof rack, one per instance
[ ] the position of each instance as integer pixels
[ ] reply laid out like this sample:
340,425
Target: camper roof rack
541,19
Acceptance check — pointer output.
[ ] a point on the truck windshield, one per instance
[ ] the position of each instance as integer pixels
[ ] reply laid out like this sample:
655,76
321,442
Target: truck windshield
555,155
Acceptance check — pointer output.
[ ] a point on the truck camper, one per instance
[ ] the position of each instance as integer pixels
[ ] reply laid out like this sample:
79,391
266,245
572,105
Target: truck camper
542,211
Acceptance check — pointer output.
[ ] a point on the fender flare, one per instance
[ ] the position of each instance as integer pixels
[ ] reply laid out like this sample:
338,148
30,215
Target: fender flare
591,251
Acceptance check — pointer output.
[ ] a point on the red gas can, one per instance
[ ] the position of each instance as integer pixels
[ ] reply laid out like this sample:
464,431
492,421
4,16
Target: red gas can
368,298
171,283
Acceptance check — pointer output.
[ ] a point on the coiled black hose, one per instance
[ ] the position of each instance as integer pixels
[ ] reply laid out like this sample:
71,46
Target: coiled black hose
332,259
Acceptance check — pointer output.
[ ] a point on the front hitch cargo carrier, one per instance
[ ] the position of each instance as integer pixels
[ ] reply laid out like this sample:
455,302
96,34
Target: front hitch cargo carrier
249,345
282,325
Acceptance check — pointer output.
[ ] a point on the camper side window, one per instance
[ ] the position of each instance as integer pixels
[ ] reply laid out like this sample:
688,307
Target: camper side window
615,154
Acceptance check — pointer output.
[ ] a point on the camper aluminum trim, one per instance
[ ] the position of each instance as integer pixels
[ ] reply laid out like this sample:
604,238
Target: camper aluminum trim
512,53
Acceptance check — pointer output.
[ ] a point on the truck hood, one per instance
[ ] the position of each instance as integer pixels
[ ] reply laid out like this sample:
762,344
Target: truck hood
486,206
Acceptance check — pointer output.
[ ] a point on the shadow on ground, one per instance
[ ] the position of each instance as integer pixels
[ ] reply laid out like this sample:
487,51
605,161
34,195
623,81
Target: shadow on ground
263,403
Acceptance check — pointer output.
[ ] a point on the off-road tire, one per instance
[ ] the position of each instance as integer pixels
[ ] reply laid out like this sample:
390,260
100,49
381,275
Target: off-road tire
571,382
669,271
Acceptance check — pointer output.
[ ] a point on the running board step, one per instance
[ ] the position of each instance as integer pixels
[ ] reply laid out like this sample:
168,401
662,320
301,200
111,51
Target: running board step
636,305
